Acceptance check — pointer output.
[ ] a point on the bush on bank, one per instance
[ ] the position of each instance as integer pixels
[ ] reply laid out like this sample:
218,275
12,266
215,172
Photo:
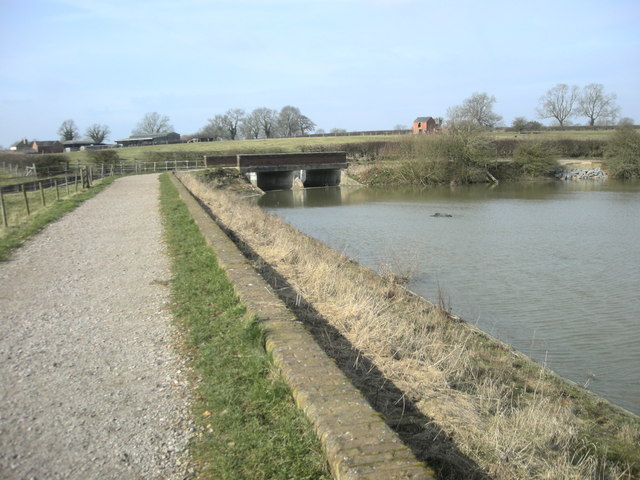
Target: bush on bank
535,160
458,158
624,154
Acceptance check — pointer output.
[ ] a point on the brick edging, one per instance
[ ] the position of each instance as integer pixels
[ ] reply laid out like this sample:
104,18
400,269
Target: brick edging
357,442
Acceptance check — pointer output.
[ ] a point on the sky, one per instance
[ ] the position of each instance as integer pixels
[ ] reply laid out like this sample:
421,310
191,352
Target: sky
351,64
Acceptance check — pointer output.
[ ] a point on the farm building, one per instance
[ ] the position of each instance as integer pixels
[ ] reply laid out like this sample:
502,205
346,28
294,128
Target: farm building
77,145
47,146
154,139
424,125
23,146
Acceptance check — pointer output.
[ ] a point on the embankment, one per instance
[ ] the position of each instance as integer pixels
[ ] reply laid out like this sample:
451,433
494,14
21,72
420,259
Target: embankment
465,403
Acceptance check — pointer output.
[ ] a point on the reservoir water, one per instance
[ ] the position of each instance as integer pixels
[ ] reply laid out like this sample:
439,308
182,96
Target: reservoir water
550,268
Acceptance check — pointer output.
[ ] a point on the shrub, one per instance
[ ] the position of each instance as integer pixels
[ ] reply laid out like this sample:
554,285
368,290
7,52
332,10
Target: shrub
504,147
460,158
535,160
577,148
624,153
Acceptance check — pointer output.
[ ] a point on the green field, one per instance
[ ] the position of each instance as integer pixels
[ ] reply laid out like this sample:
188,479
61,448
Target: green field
225,147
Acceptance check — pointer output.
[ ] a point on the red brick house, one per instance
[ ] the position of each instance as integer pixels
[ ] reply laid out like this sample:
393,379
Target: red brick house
424,125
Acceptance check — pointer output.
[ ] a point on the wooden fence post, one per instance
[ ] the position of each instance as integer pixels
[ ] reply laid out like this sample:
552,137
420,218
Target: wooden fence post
75,181
55,183
26,200
66,183
4,211
44,203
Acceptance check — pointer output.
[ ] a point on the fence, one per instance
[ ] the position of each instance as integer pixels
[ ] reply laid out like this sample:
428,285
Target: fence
20,196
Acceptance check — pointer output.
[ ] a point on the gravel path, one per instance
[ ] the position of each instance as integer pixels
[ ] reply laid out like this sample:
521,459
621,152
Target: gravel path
90,385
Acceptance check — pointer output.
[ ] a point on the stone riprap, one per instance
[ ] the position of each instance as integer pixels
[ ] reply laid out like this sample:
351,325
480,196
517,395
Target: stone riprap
582,174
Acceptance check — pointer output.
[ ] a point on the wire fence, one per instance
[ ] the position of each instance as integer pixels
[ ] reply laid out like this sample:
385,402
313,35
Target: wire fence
20,197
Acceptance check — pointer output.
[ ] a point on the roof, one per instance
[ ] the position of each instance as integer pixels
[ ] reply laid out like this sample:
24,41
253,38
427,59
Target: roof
46,143
86,141
423,119
151,136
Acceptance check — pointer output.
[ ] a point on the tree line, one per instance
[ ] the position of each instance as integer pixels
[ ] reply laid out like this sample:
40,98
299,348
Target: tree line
260,123
234,124
560,103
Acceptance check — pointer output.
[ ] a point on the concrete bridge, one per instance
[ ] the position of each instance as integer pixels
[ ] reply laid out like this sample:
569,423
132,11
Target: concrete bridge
276,171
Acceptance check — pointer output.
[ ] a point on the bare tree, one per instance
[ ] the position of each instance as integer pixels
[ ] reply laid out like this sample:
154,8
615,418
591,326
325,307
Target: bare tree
596,105
268,119
292,123
287,121
230,121
559,102
305,125
250,126
68,130
97,132
153,123
475,111
225,126
214,129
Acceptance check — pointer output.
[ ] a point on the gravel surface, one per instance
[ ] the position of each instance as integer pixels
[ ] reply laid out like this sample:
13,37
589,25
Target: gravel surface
90,384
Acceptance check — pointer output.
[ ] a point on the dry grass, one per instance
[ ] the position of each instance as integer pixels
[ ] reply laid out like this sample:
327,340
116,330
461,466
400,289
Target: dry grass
466,403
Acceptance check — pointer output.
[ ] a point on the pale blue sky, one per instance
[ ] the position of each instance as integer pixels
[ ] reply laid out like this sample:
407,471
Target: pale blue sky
353,64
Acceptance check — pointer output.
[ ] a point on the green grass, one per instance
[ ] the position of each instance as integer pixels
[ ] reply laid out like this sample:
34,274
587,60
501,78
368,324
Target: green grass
249,426
23,226
283,145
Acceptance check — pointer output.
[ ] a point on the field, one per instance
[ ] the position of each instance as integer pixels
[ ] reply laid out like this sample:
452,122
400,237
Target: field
226,147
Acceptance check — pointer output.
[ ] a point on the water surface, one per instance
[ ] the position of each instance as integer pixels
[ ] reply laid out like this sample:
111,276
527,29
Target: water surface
553,269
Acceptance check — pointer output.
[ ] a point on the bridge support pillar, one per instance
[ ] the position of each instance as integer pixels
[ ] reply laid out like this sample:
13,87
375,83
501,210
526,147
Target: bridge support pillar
322,178
274,180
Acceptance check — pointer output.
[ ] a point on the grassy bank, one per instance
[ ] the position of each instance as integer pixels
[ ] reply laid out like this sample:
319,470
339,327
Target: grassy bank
467,404
249,427
23,226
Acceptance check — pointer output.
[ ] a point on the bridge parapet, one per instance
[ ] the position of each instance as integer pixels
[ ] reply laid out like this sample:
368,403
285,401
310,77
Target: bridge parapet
275,162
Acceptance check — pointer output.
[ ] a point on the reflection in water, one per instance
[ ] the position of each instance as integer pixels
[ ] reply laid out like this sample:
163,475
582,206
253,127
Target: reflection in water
552,268
307,197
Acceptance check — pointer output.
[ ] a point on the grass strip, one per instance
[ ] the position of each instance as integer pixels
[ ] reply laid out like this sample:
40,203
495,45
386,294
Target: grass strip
14,236
248,424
